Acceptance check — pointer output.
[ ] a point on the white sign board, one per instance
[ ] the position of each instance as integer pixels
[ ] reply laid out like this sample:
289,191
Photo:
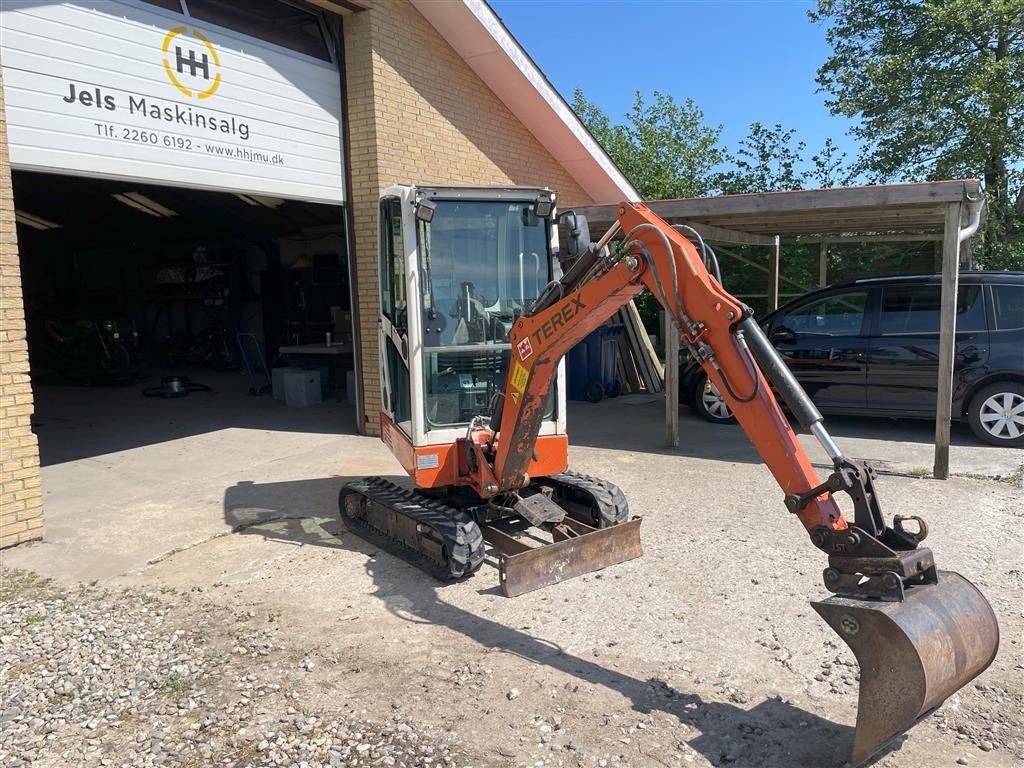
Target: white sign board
121,90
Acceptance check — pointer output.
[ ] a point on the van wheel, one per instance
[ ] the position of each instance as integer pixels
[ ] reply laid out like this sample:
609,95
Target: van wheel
709,403
996,414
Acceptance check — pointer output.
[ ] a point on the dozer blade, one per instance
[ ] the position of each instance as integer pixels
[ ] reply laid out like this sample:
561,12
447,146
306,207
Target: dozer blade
577,549
912,654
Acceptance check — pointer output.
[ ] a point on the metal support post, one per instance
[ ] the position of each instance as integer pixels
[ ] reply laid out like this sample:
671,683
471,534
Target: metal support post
947,339
671,381
774,260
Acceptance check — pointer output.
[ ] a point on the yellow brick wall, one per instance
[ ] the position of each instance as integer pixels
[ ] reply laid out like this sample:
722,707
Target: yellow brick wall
21,494
419,115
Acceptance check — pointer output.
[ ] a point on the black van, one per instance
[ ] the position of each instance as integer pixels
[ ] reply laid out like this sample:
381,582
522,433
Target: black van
871,347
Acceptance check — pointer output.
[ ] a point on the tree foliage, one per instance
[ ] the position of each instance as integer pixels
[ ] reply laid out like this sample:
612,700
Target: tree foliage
664,148
937,88
768,159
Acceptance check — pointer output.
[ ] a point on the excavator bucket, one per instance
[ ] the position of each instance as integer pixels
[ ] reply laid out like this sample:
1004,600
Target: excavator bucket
576,549
912,654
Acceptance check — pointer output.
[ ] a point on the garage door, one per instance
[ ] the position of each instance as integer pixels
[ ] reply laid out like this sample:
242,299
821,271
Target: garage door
129,90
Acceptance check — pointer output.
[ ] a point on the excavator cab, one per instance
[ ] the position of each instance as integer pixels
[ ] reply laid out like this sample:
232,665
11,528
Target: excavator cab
459,266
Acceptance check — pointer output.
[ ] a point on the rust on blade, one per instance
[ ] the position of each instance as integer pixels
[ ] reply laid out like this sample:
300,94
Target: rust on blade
577,549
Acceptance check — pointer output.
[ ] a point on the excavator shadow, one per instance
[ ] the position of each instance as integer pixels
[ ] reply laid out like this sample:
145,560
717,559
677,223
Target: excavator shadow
773,733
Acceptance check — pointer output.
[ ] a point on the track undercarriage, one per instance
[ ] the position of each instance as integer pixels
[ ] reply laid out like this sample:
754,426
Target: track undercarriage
556,528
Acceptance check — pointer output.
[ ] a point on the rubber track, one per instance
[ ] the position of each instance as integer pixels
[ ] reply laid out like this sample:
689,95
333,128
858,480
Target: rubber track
463,539
611,503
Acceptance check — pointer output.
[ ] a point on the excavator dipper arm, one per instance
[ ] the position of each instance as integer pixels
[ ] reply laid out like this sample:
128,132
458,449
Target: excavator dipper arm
918,633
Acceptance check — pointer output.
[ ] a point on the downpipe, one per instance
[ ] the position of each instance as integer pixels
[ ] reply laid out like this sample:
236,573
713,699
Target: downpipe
975,206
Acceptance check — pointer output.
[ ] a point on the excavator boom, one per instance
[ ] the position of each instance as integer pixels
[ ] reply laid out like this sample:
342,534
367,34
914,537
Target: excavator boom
919,634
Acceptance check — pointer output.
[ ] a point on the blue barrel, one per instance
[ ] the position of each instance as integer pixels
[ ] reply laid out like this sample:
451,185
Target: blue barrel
593,365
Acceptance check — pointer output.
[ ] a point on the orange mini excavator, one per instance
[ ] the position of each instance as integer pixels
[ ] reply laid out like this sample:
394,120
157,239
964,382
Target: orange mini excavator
476,315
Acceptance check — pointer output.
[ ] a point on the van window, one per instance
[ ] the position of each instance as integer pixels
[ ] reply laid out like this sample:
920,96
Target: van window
914,309
1008,306
837,315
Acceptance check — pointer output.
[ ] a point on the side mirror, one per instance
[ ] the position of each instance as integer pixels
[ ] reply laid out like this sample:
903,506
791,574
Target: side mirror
783,335
578,231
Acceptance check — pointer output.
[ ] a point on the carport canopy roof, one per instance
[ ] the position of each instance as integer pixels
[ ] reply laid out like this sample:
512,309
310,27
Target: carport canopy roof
866,210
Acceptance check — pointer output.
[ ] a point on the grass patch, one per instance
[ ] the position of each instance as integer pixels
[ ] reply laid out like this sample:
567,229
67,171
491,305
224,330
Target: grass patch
17,585
920,472
36,618
1015,479
175,683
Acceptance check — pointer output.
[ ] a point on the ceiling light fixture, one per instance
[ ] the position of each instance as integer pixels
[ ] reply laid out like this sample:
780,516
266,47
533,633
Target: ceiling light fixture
36,222
261,200
140,202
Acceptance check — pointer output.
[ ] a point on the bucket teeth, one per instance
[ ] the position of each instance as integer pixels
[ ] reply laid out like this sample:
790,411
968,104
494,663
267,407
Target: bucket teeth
913,654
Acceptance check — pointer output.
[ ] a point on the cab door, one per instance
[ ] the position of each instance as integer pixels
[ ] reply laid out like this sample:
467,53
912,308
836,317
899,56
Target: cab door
393,323
822,340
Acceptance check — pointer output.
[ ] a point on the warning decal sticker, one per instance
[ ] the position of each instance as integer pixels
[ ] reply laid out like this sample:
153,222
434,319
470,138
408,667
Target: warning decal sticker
518,383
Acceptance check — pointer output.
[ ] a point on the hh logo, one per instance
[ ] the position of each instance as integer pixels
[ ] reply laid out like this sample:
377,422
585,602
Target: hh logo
191,63
525,348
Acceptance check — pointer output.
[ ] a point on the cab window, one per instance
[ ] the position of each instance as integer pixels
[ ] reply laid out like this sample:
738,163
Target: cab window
392,262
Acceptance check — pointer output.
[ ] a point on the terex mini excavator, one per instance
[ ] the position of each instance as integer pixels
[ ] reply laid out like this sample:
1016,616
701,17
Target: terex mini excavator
476,315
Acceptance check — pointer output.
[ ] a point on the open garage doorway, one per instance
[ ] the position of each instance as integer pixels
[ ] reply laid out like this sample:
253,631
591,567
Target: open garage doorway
157,313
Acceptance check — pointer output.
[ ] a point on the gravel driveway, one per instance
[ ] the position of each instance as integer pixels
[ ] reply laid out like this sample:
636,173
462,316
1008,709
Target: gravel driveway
94,677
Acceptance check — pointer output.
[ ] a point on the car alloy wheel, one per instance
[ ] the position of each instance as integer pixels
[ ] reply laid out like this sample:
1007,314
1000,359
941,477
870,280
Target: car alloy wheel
711,405
1002,415
996,414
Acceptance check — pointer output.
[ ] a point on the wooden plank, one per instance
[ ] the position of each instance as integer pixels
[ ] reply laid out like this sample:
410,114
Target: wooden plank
620,369
886,195
909,206
762,268
715,234
870,220
642,349
774,265
671,381
947,339
633,378
895,237
634,350
867,221
646,348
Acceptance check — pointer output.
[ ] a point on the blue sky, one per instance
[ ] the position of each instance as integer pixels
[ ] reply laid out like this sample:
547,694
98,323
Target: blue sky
740,61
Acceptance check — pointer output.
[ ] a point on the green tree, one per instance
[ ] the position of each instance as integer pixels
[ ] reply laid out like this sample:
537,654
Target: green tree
830,168
936,87
664,148
767,160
